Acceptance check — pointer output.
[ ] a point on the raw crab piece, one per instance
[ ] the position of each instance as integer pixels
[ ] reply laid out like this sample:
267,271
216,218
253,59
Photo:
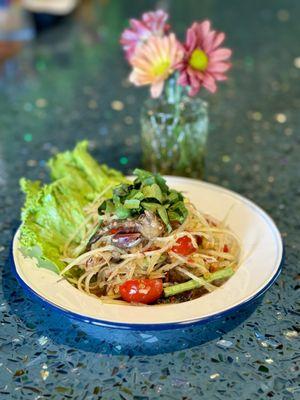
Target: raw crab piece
131,232
126,240
150,226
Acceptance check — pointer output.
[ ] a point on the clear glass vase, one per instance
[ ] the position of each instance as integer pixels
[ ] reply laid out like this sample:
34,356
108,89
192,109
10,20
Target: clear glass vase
174,133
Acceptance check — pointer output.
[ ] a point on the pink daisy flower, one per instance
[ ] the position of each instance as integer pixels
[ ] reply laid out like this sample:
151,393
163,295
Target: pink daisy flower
153,23
204,61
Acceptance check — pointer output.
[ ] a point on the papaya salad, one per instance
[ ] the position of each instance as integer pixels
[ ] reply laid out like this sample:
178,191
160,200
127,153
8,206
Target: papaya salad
137,242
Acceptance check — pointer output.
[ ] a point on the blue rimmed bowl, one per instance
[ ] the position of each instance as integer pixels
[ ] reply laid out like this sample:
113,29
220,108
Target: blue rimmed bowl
151,326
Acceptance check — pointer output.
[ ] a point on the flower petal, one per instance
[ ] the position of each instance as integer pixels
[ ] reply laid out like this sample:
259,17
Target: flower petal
209,83
220,77
191,38
195,89
195,79
183,79
208,41
218,67
219,39
198,75
138,79
220,54
203,28
156,89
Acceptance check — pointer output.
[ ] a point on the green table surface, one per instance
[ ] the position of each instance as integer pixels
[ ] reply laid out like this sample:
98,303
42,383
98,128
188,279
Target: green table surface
70,84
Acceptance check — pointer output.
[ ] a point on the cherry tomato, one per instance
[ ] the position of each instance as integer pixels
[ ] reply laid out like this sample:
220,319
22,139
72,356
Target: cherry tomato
144,291
225,249
184,246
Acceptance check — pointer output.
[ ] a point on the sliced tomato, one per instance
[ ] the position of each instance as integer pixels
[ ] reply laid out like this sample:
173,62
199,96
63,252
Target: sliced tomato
184,246
225,249
144,291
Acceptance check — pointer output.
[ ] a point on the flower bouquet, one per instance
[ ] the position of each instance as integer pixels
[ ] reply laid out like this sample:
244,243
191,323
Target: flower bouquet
174,120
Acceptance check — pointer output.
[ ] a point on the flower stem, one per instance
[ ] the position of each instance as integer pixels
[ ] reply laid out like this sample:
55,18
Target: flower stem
173,91
189,285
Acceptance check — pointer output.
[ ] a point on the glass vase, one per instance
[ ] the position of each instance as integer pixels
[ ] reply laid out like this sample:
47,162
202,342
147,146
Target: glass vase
174,131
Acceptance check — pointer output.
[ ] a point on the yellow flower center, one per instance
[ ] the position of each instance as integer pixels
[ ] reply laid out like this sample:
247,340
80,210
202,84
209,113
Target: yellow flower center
198,60
161,67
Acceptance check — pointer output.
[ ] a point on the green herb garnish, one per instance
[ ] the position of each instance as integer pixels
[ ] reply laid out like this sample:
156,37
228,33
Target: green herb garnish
147,192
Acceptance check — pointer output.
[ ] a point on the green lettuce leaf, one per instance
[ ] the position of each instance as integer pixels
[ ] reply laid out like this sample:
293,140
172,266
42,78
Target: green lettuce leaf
52,212
81,165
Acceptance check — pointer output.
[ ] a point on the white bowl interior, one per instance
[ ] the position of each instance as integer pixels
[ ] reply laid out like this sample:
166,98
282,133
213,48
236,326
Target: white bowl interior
261,257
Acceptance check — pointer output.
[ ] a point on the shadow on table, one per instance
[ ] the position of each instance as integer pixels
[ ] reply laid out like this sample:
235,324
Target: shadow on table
45,322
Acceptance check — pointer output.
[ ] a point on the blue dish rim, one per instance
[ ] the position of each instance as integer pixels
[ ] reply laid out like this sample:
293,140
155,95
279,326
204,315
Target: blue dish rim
160,326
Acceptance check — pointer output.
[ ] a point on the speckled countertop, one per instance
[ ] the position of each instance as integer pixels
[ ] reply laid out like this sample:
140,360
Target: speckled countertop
70,84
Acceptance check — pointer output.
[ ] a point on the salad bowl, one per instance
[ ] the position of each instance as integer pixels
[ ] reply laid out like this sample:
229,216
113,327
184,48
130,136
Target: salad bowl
260,264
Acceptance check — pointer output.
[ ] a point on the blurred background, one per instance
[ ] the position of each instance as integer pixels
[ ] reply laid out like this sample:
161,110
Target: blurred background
63,77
